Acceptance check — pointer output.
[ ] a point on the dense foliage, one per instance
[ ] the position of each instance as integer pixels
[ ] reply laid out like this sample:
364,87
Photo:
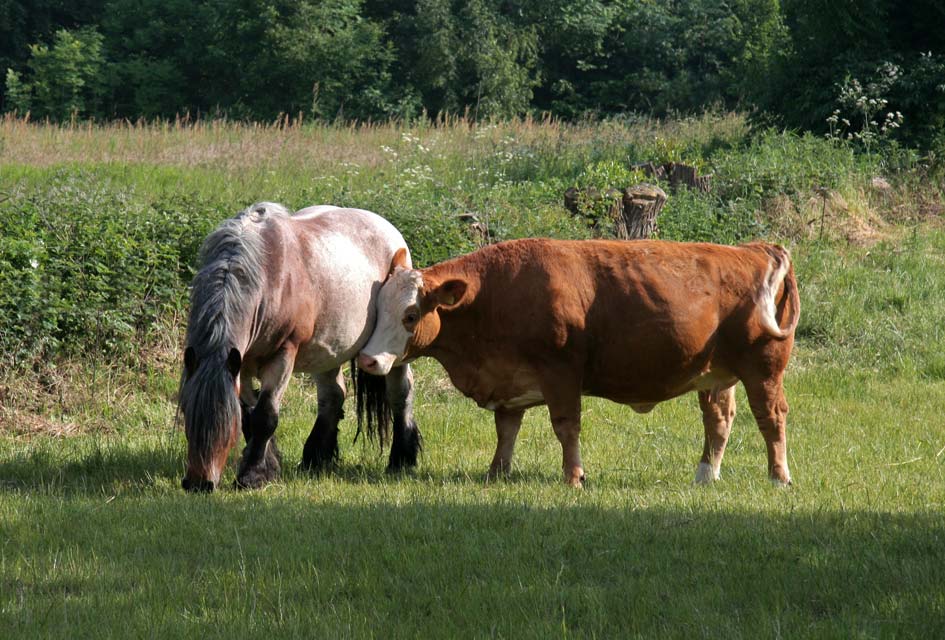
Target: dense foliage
792,60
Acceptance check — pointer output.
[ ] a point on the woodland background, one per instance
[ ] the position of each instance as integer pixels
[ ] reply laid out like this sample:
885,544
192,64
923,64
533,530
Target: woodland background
790,63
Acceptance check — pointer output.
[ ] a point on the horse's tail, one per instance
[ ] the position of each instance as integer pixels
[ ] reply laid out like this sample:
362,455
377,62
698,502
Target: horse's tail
371,402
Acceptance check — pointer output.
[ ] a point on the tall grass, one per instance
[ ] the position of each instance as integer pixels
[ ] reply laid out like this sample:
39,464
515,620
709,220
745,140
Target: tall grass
101,222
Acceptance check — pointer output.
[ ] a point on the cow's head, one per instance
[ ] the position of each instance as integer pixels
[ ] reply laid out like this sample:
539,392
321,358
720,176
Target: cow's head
408,318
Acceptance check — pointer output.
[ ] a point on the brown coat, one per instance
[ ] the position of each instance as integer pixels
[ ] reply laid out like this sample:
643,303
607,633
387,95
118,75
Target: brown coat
537,321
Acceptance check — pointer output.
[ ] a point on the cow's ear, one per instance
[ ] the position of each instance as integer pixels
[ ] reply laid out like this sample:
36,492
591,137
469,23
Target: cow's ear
398,261
190,362
450,293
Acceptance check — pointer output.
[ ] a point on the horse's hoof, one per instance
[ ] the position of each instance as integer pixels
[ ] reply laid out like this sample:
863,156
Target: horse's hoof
197,486
502,471
393,470
260,475
404,452
317,465
255,478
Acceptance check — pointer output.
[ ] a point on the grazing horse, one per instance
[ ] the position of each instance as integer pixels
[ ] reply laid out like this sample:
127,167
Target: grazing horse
278,293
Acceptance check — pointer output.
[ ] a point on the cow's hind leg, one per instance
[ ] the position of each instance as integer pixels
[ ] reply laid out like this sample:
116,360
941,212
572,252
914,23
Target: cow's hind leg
407,442
321,447
718,413
563,396
507,425
770,408
261,462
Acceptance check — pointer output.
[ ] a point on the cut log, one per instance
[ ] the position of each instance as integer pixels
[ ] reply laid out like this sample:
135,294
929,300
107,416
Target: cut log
641,206
677,174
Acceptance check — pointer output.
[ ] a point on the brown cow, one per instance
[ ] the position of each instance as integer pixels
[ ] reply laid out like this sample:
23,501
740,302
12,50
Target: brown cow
538,321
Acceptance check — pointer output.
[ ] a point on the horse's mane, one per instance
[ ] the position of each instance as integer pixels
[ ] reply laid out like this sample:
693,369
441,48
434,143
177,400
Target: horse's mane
223,299
229,279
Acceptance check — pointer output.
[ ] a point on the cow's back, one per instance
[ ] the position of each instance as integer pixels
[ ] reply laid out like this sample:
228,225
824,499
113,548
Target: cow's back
640,322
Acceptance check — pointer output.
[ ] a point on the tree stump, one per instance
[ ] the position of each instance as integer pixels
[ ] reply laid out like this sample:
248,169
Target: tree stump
592,205
677,174
631,212
641,206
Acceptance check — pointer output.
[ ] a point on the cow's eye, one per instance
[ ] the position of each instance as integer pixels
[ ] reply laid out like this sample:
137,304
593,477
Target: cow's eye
411,318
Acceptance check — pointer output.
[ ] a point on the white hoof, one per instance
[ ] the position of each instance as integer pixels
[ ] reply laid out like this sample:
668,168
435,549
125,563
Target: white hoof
706,473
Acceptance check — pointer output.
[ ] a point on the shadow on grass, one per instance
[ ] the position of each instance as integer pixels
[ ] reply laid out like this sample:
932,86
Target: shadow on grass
360,564
295,567
97,467
88,466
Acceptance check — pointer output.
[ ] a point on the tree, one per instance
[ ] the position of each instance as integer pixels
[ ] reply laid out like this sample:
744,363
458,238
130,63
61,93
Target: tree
63,80
252,59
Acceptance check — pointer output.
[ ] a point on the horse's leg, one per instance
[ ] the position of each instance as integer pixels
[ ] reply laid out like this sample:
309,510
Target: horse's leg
718,413
321,447
261,462
248,400
507,424
406,442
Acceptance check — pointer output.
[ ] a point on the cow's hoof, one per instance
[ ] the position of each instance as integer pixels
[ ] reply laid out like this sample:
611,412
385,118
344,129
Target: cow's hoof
577,481
706,474
780,476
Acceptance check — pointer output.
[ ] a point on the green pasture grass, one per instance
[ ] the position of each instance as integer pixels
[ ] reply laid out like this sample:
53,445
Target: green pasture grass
99,541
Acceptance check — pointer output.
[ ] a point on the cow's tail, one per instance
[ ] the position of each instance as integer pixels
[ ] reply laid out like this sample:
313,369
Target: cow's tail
371,404
788,309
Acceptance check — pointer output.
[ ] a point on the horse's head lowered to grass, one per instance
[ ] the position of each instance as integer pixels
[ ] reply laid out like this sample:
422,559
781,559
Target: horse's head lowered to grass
210,403
223,299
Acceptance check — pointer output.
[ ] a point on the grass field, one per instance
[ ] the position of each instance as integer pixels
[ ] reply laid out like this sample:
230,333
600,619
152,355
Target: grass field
97,539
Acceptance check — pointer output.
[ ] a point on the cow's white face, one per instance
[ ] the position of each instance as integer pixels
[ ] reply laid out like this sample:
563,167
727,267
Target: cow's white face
408,317
398,313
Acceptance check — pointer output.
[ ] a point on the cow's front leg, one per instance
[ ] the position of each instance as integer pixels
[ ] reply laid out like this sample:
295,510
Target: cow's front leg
507,424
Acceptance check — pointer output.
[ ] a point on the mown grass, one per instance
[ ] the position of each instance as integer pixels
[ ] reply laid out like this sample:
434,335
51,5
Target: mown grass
98,540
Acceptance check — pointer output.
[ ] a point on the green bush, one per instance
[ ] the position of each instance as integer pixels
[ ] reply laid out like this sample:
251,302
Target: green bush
695,217
64,79
85,266
778,163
